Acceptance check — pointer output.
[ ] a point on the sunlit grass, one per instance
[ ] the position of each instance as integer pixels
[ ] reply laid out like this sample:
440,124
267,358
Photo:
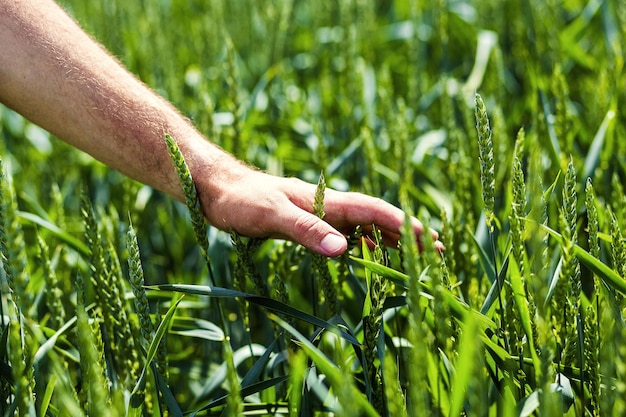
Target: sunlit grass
491,121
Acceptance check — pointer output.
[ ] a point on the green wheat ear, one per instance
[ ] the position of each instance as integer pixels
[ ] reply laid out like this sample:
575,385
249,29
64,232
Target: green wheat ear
320,263
13,247
570,201
318,204
17,356
136,278
191,196
53,293
592,217
518,204
487,165
372,321
570,214
94,391
3,235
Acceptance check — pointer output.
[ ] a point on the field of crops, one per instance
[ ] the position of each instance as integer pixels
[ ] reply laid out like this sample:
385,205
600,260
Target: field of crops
499,124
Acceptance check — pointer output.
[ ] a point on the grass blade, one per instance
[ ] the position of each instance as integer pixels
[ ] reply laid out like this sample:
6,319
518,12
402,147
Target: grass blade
326,366
610,277
56,231
464,366
246,391
170,401
152,350
521,302
269,303
595,150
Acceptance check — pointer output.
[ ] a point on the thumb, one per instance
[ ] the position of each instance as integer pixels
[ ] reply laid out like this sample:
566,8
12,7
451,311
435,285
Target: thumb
315,234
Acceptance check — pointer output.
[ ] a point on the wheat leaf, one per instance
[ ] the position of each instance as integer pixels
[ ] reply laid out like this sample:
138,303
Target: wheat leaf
521,302
246,390
611,277
269,303
326,366
152,350
595,150
166,393
55,230
464,366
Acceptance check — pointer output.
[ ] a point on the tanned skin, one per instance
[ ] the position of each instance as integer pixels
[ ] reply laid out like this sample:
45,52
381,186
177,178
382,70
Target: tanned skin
59,78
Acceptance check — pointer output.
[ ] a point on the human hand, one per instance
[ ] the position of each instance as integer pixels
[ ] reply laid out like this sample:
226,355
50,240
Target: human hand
256,204
89,100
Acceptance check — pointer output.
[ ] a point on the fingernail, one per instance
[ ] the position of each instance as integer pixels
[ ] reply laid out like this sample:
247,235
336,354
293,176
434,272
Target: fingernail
333,245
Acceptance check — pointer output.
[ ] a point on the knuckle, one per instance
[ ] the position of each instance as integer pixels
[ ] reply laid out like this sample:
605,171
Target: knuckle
306,224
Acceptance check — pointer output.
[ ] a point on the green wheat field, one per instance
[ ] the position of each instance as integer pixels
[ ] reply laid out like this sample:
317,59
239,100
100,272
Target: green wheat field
499,124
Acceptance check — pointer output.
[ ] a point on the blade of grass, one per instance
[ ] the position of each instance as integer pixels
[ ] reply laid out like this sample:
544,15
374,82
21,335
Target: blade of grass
465,363
219,376
554,148
269,303
521,302
170,401
56,231
326,366
457,306
595,150
152,351
485,260
45,401
611,277
492,295
49,344
255,372
391,274
246,391
197,328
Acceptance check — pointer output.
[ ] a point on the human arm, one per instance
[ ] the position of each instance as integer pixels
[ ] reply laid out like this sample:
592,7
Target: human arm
59,78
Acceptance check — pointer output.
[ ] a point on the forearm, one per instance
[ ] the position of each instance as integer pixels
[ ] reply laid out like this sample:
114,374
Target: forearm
55,75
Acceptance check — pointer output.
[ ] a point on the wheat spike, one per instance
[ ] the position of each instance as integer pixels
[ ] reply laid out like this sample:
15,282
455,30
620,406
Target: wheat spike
320,263
592,216
94,391
146,326
54,294
372,322
487,165
191,198
20,362
518,208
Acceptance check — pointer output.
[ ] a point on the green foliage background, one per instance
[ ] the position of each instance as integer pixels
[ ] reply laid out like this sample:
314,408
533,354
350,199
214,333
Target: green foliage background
380,97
